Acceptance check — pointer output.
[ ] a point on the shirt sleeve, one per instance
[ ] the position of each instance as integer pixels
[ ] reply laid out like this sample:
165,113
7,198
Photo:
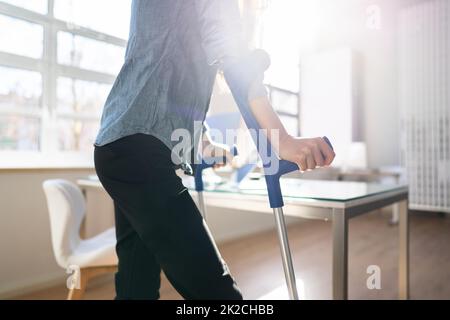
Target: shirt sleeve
222,37
220,30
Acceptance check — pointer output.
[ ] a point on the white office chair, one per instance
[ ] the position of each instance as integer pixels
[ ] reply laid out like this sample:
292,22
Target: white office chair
86,258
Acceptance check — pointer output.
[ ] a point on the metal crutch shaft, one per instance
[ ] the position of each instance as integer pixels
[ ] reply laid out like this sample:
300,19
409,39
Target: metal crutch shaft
286,253
198,177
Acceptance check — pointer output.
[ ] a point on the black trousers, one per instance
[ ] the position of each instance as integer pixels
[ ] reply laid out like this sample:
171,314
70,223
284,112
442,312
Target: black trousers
158,226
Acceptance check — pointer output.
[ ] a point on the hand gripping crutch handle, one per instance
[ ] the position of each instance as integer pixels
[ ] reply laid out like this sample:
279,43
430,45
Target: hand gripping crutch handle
273,181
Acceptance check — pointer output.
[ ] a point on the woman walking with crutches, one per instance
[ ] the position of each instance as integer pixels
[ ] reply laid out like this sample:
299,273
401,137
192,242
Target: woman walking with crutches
174,51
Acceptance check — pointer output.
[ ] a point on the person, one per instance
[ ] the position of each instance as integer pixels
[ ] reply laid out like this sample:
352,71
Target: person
174,52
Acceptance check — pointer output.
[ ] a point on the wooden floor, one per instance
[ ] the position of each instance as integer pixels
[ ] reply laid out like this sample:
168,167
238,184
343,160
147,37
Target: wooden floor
256,265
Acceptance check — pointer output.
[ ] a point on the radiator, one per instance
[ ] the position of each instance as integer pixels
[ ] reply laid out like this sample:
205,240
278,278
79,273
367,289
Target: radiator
424,84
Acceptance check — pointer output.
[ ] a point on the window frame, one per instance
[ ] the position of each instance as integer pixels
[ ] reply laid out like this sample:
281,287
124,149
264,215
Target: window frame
50,70
296,113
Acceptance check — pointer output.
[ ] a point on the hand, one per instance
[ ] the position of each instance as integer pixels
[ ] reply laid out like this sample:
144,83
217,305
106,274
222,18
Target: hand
307,153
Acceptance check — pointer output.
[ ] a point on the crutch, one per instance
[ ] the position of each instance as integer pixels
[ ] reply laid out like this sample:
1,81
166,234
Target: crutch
198,176
239,76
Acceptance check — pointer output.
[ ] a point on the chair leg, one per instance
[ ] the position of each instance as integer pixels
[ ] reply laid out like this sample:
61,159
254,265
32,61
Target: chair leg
85,275
77,294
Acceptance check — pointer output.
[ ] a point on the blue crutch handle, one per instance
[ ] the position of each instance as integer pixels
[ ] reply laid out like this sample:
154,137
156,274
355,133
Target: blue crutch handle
206,163
273,181
328,142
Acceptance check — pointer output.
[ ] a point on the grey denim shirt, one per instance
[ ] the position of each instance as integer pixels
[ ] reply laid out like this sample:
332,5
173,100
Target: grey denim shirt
174,50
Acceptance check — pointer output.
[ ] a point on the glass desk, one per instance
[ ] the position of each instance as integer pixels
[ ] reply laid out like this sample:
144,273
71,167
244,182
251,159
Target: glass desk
335,201
342,191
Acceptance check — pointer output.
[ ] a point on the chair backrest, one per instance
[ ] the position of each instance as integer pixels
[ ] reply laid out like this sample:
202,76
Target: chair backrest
66,206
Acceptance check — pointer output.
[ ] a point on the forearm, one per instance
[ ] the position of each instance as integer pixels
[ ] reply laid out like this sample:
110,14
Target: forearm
307,153
268,120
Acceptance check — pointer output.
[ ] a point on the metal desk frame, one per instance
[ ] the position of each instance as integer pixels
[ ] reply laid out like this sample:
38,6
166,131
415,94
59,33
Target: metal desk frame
339,212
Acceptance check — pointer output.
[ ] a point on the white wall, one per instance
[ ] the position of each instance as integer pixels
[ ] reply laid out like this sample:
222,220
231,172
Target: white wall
344,24
25,245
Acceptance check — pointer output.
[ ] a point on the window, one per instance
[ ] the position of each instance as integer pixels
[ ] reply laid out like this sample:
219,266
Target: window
19,132
276,29
81,97
287,30
20,109
21,37
54,82
82,52
79,106
39,6
90,14
286,104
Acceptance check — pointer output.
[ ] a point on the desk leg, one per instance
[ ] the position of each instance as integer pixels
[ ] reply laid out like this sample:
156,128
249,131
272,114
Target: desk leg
340,255
395,215
83,222
403,262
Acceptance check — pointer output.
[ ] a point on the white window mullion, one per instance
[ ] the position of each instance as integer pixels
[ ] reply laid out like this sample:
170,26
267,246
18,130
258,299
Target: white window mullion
49,134
83,74
89,33
50,8
21,13
15,61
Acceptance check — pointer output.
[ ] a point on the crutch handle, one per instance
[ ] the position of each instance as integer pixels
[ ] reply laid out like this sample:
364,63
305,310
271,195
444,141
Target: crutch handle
286,167
273,181
328,142
209,162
